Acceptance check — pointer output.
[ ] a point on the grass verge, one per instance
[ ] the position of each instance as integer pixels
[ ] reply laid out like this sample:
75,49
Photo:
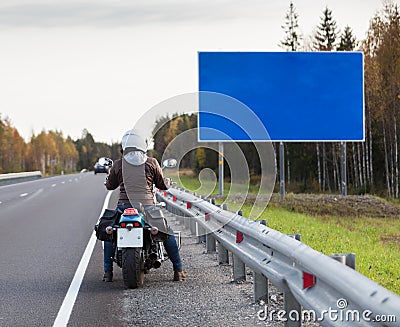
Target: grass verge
376,242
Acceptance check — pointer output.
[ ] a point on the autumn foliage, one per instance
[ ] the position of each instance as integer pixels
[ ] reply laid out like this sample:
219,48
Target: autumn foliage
49,151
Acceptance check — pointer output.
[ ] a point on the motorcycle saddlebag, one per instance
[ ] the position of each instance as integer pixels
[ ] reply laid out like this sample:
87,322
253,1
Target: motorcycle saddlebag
109,218
155,218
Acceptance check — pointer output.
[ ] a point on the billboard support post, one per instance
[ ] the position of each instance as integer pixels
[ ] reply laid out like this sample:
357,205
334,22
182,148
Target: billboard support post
221,168
282,168
343,170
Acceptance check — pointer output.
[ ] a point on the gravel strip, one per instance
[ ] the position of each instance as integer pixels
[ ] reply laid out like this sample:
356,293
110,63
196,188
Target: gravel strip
208,297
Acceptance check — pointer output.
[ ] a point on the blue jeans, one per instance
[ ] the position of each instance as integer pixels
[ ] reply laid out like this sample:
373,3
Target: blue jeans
170,246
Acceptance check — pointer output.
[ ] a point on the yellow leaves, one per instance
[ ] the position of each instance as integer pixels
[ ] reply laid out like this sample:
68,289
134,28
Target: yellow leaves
43,152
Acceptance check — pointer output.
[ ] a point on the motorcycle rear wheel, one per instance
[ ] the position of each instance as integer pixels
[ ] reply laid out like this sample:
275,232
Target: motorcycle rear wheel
132,271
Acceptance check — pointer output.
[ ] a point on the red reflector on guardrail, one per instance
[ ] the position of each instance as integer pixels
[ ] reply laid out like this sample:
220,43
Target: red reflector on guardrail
188,205
239,237
308,280
207,217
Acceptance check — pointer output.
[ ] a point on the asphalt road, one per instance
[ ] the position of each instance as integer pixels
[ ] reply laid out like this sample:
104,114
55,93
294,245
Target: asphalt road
45,226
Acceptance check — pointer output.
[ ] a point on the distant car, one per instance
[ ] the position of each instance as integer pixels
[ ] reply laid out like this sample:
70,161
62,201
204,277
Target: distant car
103,165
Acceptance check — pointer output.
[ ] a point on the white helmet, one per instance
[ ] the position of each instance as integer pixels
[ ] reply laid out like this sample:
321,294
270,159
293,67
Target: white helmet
134,139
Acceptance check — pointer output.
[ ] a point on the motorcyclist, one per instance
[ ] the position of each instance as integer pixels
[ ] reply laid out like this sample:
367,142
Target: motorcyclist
134,174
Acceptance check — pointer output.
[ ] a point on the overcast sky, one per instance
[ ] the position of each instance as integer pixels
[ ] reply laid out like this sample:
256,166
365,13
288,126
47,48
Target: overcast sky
99,65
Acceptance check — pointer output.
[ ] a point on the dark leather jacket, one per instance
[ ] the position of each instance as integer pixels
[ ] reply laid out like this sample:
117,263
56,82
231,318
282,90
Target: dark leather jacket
136,182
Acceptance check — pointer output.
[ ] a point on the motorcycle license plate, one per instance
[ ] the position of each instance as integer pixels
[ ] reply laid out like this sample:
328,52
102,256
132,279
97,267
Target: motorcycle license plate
130,238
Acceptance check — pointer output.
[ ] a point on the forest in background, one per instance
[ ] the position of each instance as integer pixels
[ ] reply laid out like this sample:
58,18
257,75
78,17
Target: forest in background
372,166
49,151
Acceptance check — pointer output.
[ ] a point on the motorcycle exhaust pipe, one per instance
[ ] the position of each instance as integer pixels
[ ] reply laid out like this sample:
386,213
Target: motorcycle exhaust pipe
153,256
153,261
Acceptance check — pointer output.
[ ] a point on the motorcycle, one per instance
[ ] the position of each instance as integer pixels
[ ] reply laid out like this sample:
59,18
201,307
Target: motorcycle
137,235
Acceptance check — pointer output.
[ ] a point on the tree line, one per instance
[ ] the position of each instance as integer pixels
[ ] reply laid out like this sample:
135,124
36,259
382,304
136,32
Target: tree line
49,151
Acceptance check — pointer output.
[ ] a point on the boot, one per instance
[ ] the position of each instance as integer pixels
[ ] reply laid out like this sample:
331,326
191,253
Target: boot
108,276
179,276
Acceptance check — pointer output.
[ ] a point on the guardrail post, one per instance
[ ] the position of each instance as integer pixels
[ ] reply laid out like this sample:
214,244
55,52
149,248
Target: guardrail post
351,260
347,259
223,206
178,214
292,306
239,269
192,226
295,236
186,222
223,256
170,208
260,287
210,243
201,233
183,218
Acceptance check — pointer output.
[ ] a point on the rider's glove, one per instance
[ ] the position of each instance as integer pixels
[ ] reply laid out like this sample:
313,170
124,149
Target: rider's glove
167,181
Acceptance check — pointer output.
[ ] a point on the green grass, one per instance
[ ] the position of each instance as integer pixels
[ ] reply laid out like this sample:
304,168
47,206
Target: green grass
375,241
194,184
210,187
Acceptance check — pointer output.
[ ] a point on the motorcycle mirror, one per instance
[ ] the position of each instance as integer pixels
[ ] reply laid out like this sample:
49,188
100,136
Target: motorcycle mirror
169,163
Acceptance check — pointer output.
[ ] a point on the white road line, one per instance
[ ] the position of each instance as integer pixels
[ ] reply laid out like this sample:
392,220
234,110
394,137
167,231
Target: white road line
68,304
23,194
54,185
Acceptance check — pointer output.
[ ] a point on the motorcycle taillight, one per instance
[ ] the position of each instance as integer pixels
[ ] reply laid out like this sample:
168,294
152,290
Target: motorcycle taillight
123,225
130,212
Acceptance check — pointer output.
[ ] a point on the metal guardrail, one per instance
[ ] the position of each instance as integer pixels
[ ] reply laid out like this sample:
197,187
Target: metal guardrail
19,177
316,287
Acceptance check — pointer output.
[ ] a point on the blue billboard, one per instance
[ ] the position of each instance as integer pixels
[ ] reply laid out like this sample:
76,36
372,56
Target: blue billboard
297,96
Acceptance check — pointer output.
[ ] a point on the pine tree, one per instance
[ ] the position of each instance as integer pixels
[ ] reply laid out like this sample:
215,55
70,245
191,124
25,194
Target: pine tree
324,40
292,36
348,41
326,34
87,150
